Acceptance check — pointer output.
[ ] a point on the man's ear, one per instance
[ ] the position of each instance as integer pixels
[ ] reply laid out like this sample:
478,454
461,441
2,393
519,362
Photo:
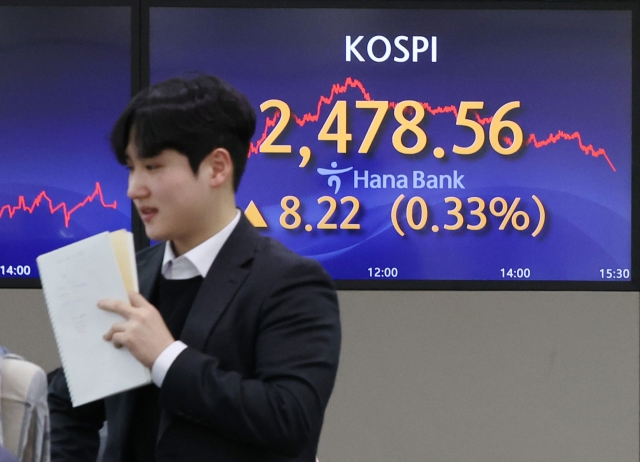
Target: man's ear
218,167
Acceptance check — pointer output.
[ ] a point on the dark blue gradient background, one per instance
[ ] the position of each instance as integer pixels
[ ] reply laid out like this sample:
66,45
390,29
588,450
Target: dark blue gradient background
65,79
571,70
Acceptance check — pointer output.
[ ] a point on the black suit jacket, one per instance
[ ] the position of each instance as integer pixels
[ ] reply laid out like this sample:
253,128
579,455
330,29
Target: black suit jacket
263,339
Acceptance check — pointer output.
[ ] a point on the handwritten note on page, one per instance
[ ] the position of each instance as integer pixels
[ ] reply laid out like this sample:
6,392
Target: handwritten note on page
74,279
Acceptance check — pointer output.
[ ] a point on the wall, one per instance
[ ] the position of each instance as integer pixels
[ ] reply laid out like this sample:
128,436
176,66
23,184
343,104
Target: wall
485,377
458,376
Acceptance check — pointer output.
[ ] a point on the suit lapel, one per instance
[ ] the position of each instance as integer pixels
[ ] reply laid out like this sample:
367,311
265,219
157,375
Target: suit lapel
225,277
149,263
119,407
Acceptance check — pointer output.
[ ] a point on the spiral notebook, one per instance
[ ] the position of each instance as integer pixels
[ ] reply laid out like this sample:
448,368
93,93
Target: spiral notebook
74,278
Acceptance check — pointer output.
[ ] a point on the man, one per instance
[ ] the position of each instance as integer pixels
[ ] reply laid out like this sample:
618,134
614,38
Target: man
242,335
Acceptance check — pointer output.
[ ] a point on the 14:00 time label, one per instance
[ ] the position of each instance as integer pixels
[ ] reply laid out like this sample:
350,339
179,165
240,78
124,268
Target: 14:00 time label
15,270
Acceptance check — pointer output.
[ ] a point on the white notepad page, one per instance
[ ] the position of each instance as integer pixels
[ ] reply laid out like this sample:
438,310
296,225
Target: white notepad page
74,279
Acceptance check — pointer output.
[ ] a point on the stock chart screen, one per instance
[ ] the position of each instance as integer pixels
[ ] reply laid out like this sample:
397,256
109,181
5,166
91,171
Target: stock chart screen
428,145
66,76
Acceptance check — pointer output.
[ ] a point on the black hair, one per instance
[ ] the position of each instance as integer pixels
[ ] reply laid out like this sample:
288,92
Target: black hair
193,116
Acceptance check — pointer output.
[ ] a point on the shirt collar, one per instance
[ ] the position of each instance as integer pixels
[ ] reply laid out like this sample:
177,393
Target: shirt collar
197,261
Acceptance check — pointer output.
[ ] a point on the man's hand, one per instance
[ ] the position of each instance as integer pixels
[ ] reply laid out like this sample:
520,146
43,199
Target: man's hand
143,332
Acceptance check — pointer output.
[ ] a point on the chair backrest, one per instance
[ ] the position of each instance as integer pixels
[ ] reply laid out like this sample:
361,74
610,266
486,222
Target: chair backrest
24,413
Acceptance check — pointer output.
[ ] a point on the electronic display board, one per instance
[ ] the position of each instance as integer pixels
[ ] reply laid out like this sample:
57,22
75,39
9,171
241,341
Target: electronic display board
66,76
428,145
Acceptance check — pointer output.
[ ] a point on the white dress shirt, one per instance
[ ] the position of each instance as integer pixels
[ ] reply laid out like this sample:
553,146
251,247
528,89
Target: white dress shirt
196,262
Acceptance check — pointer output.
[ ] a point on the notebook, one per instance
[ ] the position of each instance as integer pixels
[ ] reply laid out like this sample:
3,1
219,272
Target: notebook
74,278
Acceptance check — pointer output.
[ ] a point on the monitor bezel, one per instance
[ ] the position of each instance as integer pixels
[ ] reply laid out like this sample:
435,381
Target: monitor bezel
462,285
140,78
136,86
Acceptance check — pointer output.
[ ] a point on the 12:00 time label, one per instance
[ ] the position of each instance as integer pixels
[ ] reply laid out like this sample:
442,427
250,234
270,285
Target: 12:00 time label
383,272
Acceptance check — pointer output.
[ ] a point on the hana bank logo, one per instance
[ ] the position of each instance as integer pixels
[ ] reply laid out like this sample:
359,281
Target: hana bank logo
333,172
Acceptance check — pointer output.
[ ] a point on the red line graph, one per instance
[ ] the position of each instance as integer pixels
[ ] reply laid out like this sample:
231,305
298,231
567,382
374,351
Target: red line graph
351,83
22,205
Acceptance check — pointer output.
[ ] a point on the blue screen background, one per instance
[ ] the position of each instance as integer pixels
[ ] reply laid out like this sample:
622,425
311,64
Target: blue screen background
65,78
571,71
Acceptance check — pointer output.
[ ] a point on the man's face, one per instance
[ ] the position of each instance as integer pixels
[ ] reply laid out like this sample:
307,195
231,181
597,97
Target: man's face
172,201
